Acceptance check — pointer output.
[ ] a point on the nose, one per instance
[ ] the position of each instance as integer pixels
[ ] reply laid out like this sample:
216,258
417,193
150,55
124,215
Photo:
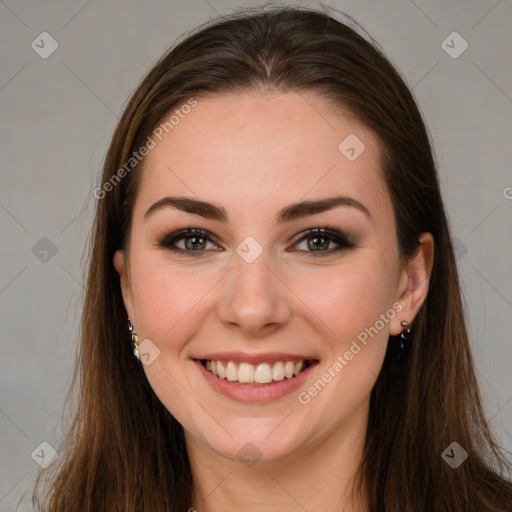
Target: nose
254,298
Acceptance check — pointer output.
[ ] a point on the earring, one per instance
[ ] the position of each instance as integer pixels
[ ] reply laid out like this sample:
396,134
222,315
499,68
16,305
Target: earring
135,340
403,338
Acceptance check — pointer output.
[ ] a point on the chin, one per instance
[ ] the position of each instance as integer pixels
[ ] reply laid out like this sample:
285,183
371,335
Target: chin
262,443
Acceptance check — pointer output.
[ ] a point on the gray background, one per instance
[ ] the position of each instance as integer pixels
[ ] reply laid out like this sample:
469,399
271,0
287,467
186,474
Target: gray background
57,117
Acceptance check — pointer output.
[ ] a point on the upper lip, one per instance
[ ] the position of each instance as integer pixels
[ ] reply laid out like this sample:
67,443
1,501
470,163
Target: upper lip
264,357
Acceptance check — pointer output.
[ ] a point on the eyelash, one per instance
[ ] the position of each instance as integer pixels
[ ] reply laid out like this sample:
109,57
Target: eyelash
328,233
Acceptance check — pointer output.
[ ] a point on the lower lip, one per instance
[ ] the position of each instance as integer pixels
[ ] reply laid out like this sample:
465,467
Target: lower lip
254,394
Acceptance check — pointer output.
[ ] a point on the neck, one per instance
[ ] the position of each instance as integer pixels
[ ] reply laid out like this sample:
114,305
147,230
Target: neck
320,476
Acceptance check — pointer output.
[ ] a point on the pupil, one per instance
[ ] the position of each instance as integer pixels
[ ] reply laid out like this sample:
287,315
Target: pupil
191,241
316,245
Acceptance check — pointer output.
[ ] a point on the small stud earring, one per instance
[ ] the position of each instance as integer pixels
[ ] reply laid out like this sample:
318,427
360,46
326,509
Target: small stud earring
135,340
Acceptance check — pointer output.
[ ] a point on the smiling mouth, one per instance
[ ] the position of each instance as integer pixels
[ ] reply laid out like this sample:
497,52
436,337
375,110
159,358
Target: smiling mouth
263,374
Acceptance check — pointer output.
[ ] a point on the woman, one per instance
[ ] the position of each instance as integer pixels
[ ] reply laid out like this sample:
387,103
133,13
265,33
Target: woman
273,318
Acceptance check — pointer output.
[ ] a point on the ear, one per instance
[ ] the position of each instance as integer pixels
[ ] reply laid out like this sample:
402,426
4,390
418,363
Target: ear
126,289
414,283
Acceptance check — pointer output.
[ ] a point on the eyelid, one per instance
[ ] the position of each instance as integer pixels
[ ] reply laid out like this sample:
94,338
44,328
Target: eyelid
341,238
175,234
327,231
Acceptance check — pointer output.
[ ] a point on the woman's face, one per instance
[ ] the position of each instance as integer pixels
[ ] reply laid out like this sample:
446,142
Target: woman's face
254,290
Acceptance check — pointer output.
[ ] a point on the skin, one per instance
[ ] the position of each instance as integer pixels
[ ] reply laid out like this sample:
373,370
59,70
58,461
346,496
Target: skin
254,154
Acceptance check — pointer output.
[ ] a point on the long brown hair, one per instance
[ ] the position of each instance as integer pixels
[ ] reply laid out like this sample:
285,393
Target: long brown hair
124,450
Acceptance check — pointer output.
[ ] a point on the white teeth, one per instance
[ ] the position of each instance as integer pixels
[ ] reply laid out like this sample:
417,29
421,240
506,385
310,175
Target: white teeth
278,371
246,372
263,373
221,372
231,372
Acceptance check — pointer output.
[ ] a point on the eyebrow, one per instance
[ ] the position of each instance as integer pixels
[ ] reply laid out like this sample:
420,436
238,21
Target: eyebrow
289,213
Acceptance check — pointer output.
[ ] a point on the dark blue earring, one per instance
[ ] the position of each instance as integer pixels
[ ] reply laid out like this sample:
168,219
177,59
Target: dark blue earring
134,339
402,340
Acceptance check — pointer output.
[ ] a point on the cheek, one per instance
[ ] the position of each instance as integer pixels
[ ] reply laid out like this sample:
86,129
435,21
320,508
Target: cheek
167,297
354,302
157,304
348,298
171,304
355,308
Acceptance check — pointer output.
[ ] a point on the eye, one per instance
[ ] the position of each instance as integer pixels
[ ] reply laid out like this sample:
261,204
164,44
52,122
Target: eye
317,242
194,240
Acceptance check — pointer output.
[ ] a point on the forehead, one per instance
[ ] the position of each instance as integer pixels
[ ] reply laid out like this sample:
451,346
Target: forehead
254,151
